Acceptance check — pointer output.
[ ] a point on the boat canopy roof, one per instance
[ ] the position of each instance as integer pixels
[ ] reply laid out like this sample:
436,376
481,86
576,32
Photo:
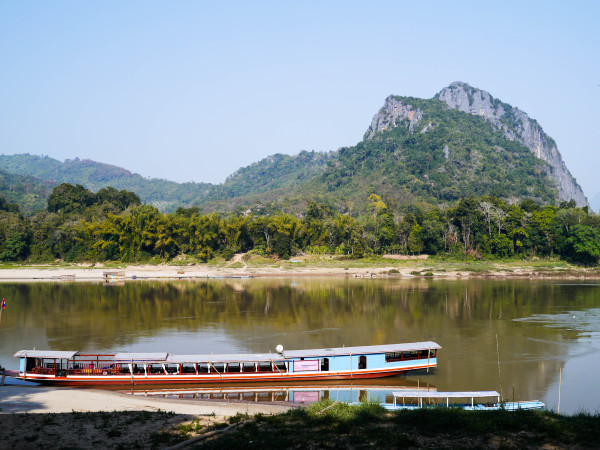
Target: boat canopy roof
44,354
242,357
141,357
366,349
457,394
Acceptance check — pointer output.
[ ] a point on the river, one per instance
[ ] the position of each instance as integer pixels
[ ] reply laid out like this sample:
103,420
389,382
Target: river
528,339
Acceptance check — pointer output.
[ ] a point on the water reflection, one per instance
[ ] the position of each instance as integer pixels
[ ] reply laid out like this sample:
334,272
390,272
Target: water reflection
512,336
291,394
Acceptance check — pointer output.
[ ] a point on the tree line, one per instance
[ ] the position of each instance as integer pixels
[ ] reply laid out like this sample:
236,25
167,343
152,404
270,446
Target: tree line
113,225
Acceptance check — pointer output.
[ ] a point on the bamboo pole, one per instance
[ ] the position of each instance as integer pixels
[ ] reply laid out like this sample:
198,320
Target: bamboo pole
428,355
211,365
559,386
498,354
275,365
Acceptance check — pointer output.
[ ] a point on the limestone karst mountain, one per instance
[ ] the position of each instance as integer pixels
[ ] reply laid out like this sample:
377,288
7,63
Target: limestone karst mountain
459,143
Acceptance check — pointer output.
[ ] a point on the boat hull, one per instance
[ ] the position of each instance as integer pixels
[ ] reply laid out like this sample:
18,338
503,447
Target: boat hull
251,377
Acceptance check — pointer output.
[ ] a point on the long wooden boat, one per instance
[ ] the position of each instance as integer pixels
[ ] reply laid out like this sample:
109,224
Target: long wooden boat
467,400
73,368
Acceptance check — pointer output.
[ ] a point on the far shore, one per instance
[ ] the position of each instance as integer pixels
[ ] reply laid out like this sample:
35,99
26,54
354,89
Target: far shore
240,267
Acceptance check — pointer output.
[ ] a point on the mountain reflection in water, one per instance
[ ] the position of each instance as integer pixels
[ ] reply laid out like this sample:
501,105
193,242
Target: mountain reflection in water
505,335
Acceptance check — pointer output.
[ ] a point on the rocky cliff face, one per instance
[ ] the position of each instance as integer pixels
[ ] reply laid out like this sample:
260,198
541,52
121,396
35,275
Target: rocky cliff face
393,110
515,125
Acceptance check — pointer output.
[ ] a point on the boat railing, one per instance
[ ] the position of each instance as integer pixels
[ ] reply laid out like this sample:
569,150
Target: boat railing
105,369
95,371
42,370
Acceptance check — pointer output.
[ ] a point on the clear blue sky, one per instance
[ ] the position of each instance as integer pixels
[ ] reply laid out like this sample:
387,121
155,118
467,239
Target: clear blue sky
191,90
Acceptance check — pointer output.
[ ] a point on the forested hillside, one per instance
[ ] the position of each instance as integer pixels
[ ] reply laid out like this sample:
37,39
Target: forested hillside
165,195
28,192
435,151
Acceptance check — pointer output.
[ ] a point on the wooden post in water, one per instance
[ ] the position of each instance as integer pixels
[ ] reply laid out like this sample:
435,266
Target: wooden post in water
498,354
559,386
428,355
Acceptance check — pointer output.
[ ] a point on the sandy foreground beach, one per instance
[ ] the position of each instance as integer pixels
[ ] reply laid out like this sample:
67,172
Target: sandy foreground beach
44,399
49,417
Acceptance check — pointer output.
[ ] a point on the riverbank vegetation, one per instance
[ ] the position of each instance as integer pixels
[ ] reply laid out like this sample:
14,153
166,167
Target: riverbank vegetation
328,425
321,425
112,225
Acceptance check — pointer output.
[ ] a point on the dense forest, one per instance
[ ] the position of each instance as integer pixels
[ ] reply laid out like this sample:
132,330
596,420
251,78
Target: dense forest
112,225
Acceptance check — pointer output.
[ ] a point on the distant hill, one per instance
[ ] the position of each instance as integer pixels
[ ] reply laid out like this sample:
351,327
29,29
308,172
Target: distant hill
462,142
420,150
30,193
164,194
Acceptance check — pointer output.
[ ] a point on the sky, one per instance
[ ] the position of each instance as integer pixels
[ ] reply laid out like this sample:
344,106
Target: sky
193,90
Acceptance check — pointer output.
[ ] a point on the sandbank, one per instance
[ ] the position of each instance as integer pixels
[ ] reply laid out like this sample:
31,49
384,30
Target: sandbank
405,267
46,399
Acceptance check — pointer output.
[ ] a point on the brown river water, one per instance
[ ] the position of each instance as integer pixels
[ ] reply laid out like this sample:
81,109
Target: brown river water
527,339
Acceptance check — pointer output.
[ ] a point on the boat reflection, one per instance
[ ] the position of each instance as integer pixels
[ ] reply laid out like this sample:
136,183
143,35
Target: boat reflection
288,394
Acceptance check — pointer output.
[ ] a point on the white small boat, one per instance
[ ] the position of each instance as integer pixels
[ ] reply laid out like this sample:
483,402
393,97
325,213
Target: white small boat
467,400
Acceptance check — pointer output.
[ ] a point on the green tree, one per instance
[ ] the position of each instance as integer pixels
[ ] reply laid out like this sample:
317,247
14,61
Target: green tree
67,198
583,245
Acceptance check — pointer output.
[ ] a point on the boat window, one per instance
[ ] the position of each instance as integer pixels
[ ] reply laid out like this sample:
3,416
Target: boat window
203,368
171,368
188,368
362,362
233,367
155,369
393,356
325,365
264,367
31,363
406,356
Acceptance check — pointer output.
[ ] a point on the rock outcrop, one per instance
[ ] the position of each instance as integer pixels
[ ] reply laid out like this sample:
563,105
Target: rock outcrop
392,110
515,125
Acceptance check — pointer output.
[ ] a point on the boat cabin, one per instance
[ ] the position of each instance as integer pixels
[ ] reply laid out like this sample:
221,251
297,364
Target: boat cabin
336,363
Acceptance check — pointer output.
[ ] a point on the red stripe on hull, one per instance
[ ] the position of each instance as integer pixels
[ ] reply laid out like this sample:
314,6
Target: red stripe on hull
194,379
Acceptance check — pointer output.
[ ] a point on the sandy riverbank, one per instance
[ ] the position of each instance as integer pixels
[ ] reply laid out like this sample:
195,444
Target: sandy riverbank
163,271
45,399
48,417
403,268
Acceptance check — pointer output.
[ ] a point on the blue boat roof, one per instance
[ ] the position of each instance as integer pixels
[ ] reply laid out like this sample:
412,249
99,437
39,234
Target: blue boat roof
365,349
